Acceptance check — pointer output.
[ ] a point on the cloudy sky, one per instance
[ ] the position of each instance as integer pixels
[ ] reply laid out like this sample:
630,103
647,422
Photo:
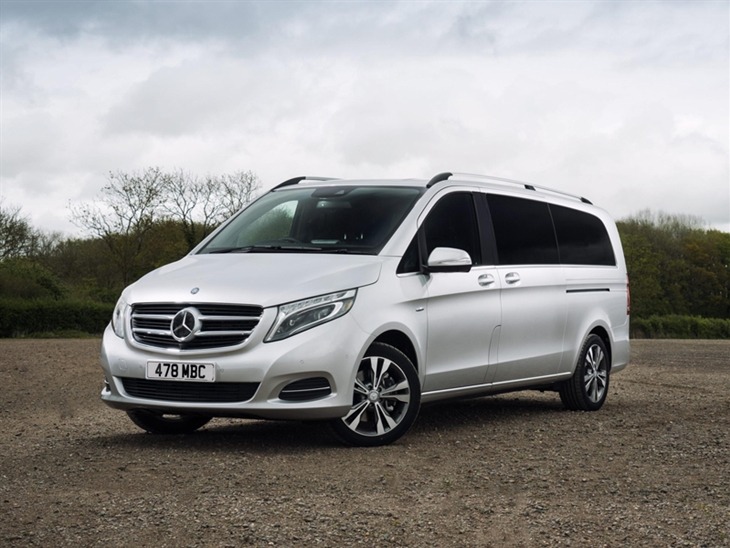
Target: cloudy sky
625,102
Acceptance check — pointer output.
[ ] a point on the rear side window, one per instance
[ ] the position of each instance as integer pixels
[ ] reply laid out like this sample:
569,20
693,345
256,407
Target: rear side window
582,238
523,231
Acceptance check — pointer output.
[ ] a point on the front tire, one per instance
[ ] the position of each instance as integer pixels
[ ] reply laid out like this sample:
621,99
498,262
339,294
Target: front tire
587,389
386,399
160,423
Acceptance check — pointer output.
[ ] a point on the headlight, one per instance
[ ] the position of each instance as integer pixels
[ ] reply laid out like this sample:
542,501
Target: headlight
296,317
118,317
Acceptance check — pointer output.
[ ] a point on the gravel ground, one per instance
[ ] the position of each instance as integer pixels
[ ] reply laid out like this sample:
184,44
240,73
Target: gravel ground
652,468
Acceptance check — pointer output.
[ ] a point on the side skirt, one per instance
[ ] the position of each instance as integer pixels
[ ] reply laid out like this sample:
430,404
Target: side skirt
537,383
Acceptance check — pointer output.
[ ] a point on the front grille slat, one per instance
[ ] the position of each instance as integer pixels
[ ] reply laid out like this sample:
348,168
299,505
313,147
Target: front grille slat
230,318
223,333
155,317
190,392
148,331
222,325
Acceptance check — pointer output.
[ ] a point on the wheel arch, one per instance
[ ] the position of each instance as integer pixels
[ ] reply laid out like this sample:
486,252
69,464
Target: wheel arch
402,342
601,332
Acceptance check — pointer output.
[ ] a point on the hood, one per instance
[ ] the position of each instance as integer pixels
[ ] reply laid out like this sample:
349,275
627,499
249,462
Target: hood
264,279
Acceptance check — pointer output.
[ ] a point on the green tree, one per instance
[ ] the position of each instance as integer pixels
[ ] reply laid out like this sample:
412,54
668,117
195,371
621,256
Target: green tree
708,276
23,278
676,266
86,269
644,265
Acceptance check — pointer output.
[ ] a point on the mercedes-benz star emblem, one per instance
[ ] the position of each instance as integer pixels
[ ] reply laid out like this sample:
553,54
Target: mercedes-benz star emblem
185,324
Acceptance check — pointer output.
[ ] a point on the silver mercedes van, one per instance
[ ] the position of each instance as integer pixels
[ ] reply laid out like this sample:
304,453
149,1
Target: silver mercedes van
353,302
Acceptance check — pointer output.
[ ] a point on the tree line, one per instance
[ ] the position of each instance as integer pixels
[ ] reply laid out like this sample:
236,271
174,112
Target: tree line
139,221
676,266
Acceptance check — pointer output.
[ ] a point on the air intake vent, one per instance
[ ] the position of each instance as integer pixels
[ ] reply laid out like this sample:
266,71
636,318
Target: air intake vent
306,389
191,392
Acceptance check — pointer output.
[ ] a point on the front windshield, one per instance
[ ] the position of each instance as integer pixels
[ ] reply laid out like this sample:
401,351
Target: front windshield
339,219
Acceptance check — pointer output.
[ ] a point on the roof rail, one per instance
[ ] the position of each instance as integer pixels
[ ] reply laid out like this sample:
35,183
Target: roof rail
528,186
438,178
297,180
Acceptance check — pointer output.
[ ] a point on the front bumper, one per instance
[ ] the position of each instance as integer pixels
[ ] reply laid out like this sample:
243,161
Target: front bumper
323,352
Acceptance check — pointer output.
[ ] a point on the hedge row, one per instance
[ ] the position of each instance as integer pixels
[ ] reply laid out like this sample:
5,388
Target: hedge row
680,327
20,318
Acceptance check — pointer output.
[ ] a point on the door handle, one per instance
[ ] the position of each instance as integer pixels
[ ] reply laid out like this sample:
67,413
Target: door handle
512,278
485,280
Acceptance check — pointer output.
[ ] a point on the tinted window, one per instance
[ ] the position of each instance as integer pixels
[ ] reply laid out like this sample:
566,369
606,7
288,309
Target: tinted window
523,231
453,223
582,238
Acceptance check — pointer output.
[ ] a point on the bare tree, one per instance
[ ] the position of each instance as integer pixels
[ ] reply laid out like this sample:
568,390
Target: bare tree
131,204
237,190
199,205
17,237
123,215
181,197
194,203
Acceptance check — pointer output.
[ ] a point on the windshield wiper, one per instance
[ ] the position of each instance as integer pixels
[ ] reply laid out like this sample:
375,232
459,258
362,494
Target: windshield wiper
238,249
266,248
345,250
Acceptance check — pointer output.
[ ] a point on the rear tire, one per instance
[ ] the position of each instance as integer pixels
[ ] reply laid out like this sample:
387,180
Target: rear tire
587,389
163,423
385,400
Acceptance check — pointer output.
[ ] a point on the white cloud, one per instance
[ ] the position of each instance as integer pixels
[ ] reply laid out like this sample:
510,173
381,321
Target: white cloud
623,102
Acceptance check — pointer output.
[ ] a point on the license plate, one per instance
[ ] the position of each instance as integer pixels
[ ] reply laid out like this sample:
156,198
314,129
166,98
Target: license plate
176,371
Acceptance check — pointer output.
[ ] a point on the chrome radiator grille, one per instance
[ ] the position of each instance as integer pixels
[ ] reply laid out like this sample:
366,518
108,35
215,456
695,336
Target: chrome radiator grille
193,326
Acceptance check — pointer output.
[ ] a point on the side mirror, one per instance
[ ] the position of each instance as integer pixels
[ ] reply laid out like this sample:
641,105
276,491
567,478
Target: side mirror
448,259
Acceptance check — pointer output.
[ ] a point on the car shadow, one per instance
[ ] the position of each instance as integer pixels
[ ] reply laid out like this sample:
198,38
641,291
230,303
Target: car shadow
264,436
